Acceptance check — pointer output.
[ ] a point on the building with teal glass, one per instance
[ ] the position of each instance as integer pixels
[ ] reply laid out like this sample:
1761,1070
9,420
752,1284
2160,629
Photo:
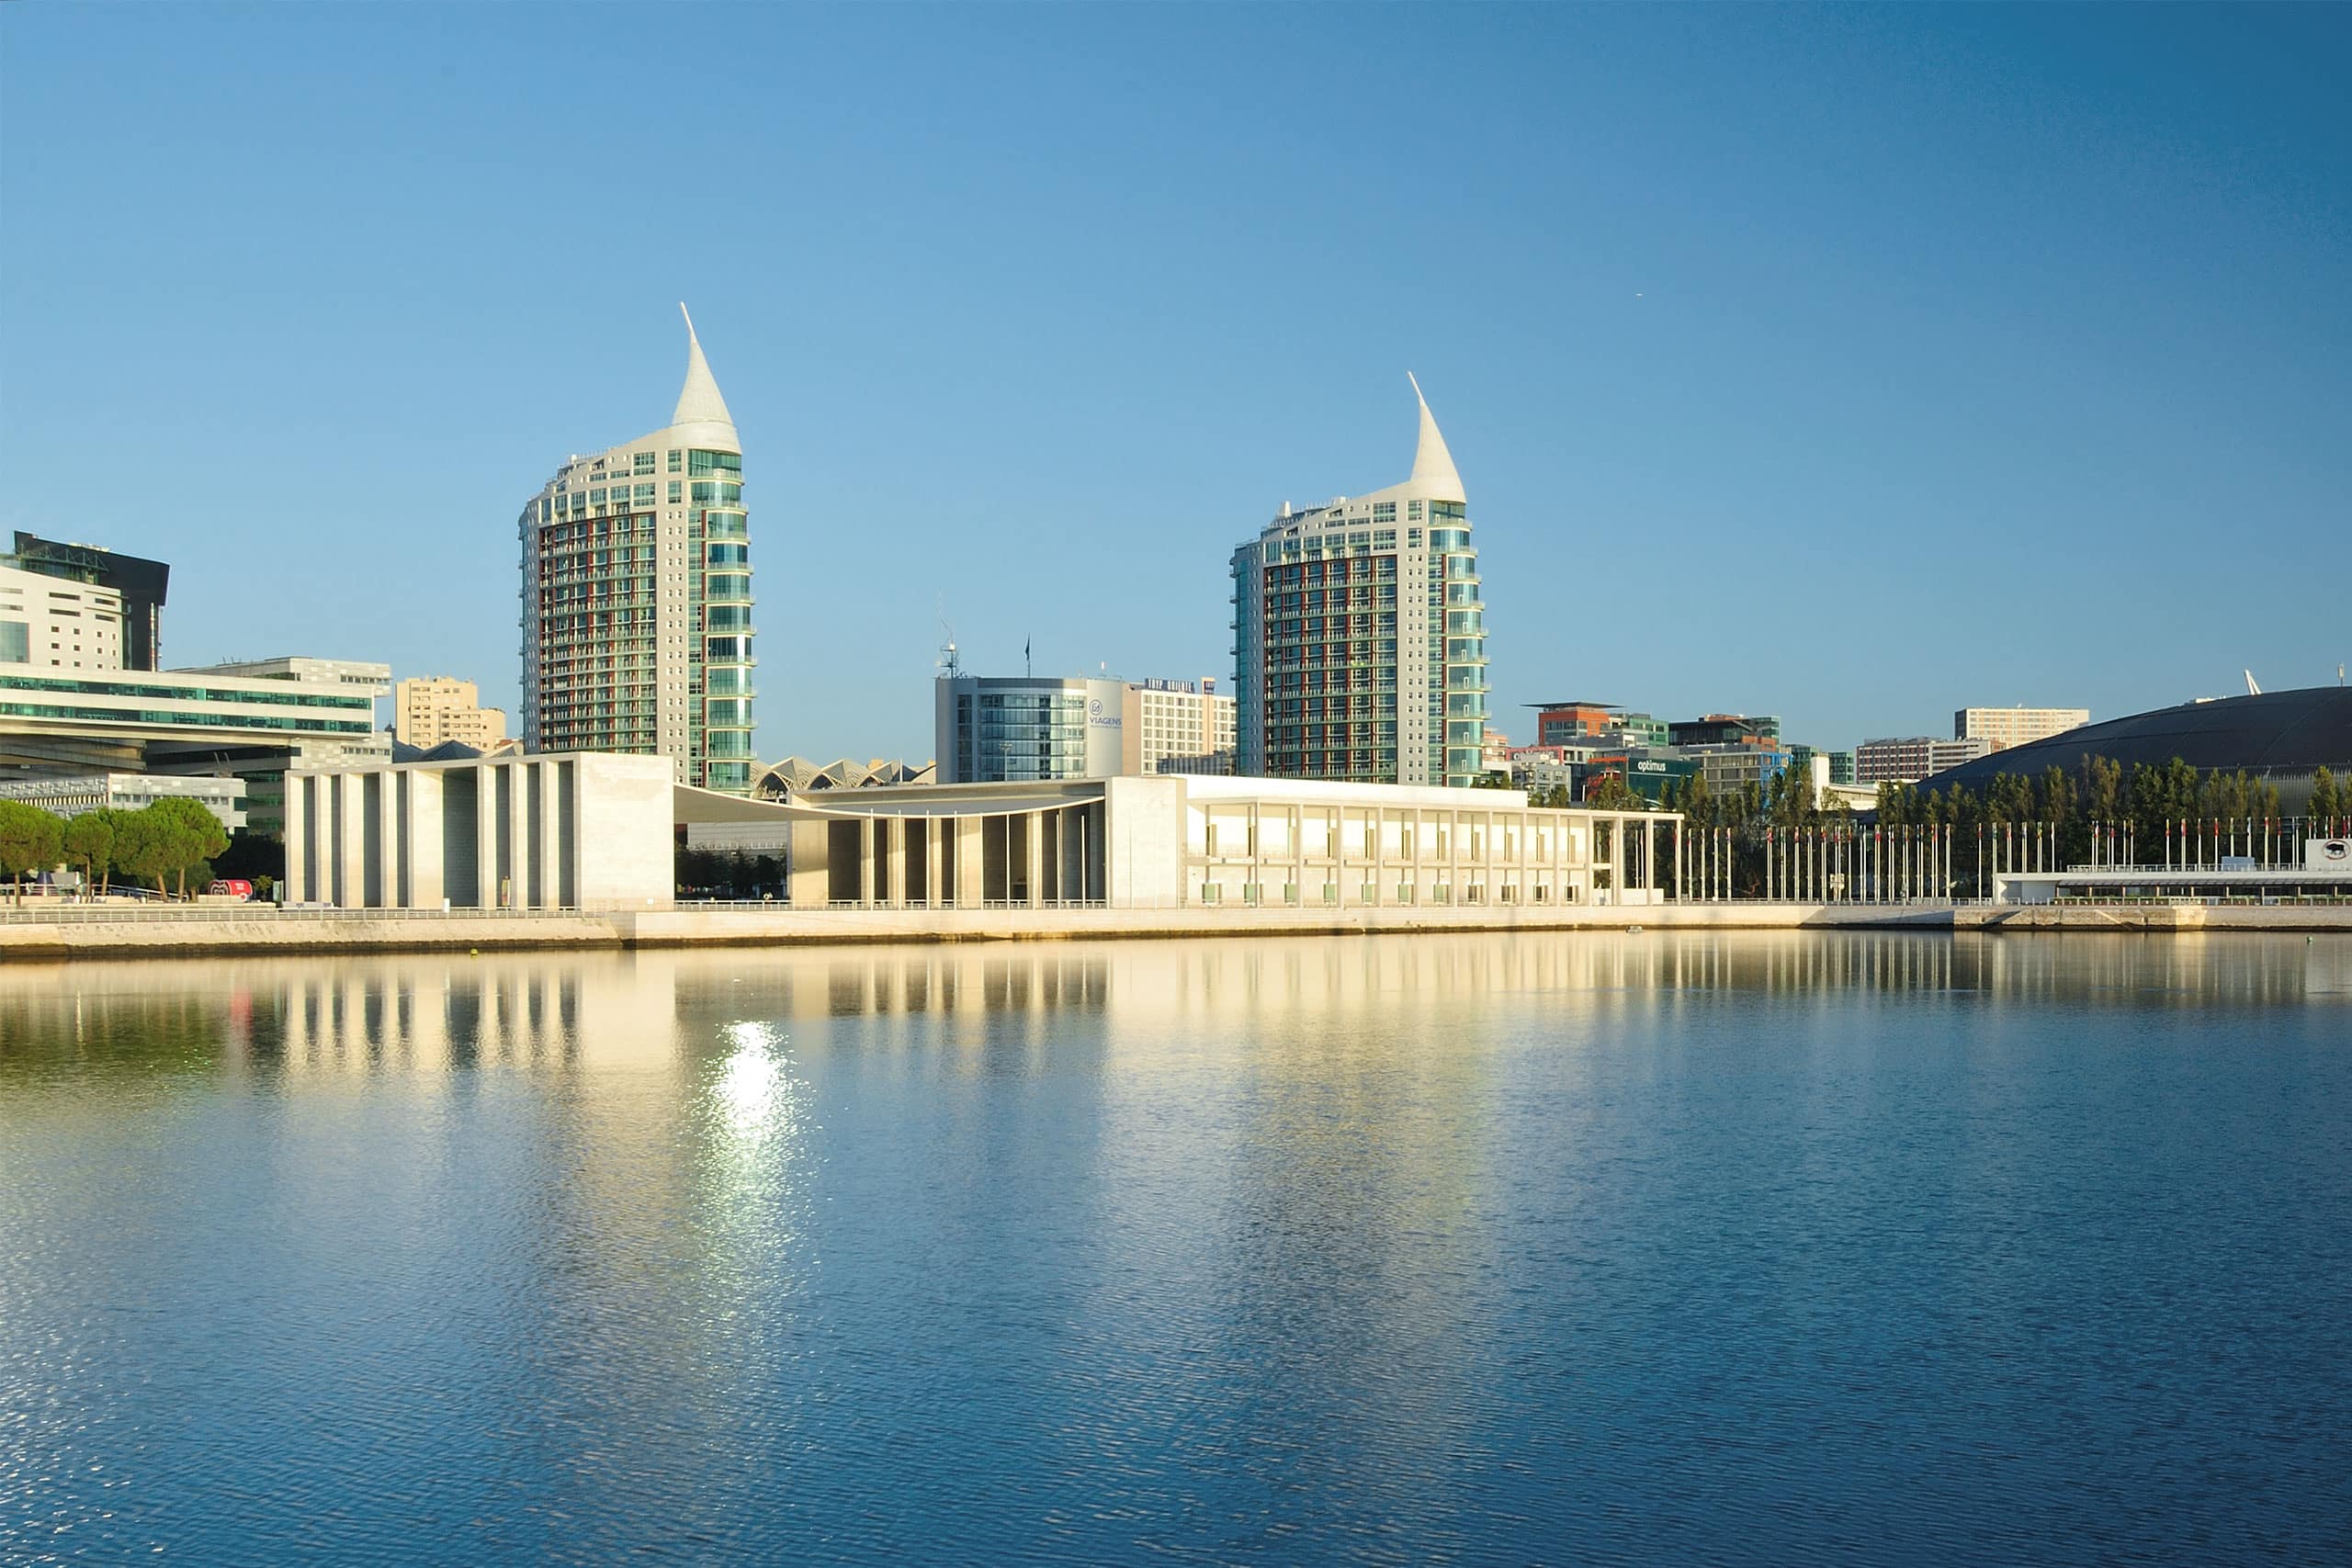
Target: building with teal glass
1360,638
636,597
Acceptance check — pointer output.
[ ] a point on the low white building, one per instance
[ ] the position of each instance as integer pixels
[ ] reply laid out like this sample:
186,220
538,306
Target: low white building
71,794
1182,841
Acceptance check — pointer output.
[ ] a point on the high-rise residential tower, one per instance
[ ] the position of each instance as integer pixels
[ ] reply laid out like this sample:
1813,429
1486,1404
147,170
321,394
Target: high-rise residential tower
636,597
1359,640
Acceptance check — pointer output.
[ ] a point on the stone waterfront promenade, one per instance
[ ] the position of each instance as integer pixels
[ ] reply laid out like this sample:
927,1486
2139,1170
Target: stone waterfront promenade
100,933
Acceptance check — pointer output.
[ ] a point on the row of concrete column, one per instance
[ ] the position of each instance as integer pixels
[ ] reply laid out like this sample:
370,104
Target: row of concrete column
491,834
1028,858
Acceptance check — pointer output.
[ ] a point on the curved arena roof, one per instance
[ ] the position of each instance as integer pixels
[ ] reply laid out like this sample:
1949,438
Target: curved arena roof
2278,735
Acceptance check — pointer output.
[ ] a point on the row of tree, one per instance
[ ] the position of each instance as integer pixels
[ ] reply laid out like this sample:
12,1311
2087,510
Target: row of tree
2096,795
171,840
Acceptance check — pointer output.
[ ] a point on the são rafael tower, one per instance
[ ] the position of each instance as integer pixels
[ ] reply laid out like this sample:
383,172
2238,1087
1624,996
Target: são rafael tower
636,596
1360,634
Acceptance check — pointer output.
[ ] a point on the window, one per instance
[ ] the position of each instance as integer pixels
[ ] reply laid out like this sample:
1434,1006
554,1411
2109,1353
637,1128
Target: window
677,489
674,456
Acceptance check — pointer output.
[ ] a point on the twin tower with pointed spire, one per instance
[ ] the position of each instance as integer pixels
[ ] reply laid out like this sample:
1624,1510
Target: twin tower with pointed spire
1358,632
1360,636
636,596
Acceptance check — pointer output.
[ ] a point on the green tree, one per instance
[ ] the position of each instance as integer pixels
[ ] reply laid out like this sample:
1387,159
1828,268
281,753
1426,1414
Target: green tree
2326,799
191,835
89,844
144,847
31,840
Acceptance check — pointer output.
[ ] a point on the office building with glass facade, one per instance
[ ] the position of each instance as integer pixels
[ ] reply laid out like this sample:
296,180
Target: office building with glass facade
636,597
1359,640
1021,729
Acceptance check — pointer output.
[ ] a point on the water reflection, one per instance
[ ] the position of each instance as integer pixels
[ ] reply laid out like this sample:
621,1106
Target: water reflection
433,1012
1659,1247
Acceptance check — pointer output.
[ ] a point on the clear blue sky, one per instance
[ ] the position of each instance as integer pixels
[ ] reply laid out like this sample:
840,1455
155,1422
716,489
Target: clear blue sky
1852,364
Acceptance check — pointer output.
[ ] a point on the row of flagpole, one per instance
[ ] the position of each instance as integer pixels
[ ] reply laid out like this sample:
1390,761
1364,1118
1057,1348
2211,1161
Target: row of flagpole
1912,862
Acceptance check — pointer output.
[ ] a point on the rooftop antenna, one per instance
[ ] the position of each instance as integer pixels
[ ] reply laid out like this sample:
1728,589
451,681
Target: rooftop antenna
1028,667
951,663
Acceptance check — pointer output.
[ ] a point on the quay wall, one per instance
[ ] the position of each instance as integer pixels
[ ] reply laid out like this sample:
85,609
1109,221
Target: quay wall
300,932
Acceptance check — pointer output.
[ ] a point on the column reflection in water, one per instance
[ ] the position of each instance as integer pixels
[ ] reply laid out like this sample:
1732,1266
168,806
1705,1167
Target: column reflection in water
1337,1246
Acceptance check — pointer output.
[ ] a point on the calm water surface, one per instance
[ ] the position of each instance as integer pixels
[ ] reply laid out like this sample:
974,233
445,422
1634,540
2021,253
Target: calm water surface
1493,1249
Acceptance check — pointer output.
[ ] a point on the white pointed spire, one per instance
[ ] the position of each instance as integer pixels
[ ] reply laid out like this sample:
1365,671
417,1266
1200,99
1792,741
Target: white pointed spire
1432,464
698,399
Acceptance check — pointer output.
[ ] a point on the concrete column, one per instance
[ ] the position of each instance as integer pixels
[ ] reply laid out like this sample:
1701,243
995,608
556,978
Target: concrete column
894,829
389,889
1034,822
551,849
423,809
351,845
1649,854
518,835
865,843
969,867
486,869
934,892
808,879
296,830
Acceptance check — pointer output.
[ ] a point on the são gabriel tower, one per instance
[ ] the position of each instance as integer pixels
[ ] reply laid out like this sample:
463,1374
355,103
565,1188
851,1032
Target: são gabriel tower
636,596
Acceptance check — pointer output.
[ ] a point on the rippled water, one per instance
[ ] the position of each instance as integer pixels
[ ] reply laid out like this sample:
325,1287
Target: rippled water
1486,1249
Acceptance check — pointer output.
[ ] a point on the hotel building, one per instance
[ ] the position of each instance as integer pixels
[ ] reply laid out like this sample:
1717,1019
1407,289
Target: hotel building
636,597
1359,635
53,622
136,586
1175,726
2001,728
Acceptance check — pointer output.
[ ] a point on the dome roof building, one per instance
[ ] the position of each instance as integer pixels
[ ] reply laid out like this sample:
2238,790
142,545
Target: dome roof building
2278,737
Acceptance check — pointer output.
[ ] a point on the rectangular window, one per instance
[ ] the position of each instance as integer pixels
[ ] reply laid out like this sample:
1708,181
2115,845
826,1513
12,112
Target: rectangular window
675,457
677,492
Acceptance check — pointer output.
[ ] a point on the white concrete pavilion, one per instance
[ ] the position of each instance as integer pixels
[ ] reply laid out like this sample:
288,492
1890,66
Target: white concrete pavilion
1199,840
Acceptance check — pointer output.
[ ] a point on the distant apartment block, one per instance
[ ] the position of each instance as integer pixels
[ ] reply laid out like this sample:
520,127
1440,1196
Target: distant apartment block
1909,760
2001,728
430,709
